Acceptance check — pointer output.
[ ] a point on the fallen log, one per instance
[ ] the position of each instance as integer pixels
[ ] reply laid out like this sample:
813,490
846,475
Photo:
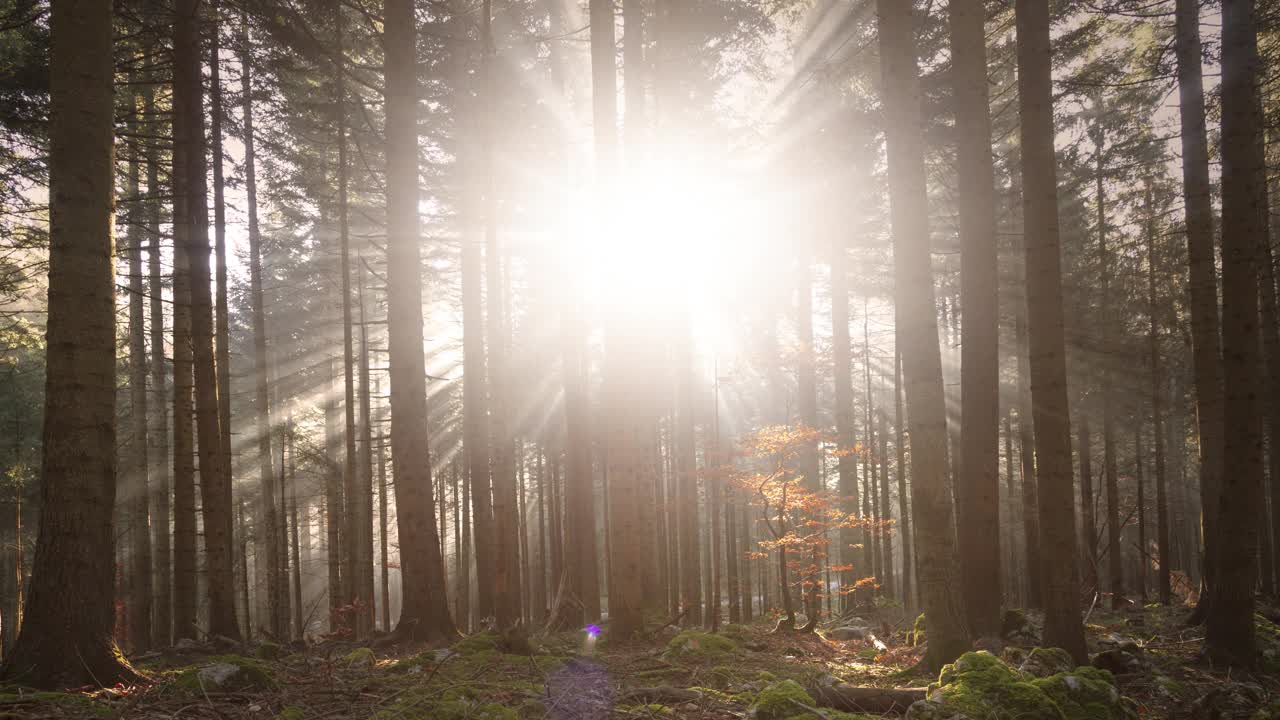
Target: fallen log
850,698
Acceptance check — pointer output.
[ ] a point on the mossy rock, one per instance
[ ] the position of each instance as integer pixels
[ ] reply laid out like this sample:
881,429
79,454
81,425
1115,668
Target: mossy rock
291,712
700,646
477,643
360,658
918,632
268,651
1086,693
66,701
1014,621
223,673
979,686
778,701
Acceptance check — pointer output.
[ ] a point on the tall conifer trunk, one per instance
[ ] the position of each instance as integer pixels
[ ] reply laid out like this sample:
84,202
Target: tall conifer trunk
1046,337
917,329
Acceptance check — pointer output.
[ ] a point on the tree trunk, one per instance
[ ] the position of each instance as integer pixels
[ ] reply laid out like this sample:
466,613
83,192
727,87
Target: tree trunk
847,460
185,578
363,520
425,612
900,470
68,616
215,476
979,503
222,347
917,328
1206,344
137,494
1229,637
354,590
267,563
162,630
1060,571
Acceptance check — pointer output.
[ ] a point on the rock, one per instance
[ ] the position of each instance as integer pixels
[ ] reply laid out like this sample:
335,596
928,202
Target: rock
268,651
697,645
756,646
226,673
978,686
918,633
360,658
778,701
1014,622
1043,662
851,632
218,675
188,645
1120,661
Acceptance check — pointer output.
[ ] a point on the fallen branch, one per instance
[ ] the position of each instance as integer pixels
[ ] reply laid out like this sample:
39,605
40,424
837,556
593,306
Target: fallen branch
659,695
850,698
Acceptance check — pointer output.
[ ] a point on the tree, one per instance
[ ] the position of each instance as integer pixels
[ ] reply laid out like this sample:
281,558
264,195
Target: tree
68,616
917,329
425,612
1060,571
979,502
265,549
1205,338
215,471
1229,625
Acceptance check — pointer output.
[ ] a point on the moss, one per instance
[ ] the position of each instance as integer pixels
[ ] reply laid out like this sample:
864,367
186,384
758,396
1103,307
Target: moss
477,643
697,645
868,654
833,715
268,651
766,676
1086,693
918,632
291,712
63,700
253,675
360,657
775,702
978,685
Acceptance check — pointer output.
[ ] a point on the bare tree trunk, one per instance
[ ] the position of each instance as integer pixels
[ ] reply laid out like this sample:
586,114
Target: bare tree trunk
267,564
1060,571
917,328
980,475
1206,344
1163,587
68,616
215,480
137,494
222,347
900,467
162,631
1229,637
425,613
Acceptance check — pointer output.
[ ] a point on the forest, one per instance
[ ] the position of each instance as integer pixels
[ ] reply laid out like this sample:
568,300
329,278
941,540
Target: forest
613,359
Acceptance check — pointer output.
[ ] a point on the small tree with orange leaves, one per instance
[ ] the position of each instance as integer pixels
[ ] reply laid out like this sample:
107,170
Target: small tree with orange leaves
799,519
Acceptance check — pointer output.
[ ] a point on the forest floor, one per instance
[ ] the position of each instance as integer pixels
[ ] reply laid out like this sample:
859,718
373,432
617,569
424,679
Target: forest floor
743,671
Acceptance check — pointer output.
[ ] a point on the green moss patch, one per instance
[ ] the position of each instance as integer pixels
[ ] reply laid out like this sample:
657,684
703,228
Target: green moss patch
778,701
700,646
67,701
249,674
291,712
980,686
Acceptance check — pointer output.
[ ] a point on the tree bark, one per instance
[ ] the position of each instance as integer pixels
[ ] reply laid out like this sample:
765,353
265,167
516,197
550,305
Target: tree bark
267,562
137,494
425,612
1060,571
162,630
979,502
68,615
1205,340
917,328
1229,636
215,477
